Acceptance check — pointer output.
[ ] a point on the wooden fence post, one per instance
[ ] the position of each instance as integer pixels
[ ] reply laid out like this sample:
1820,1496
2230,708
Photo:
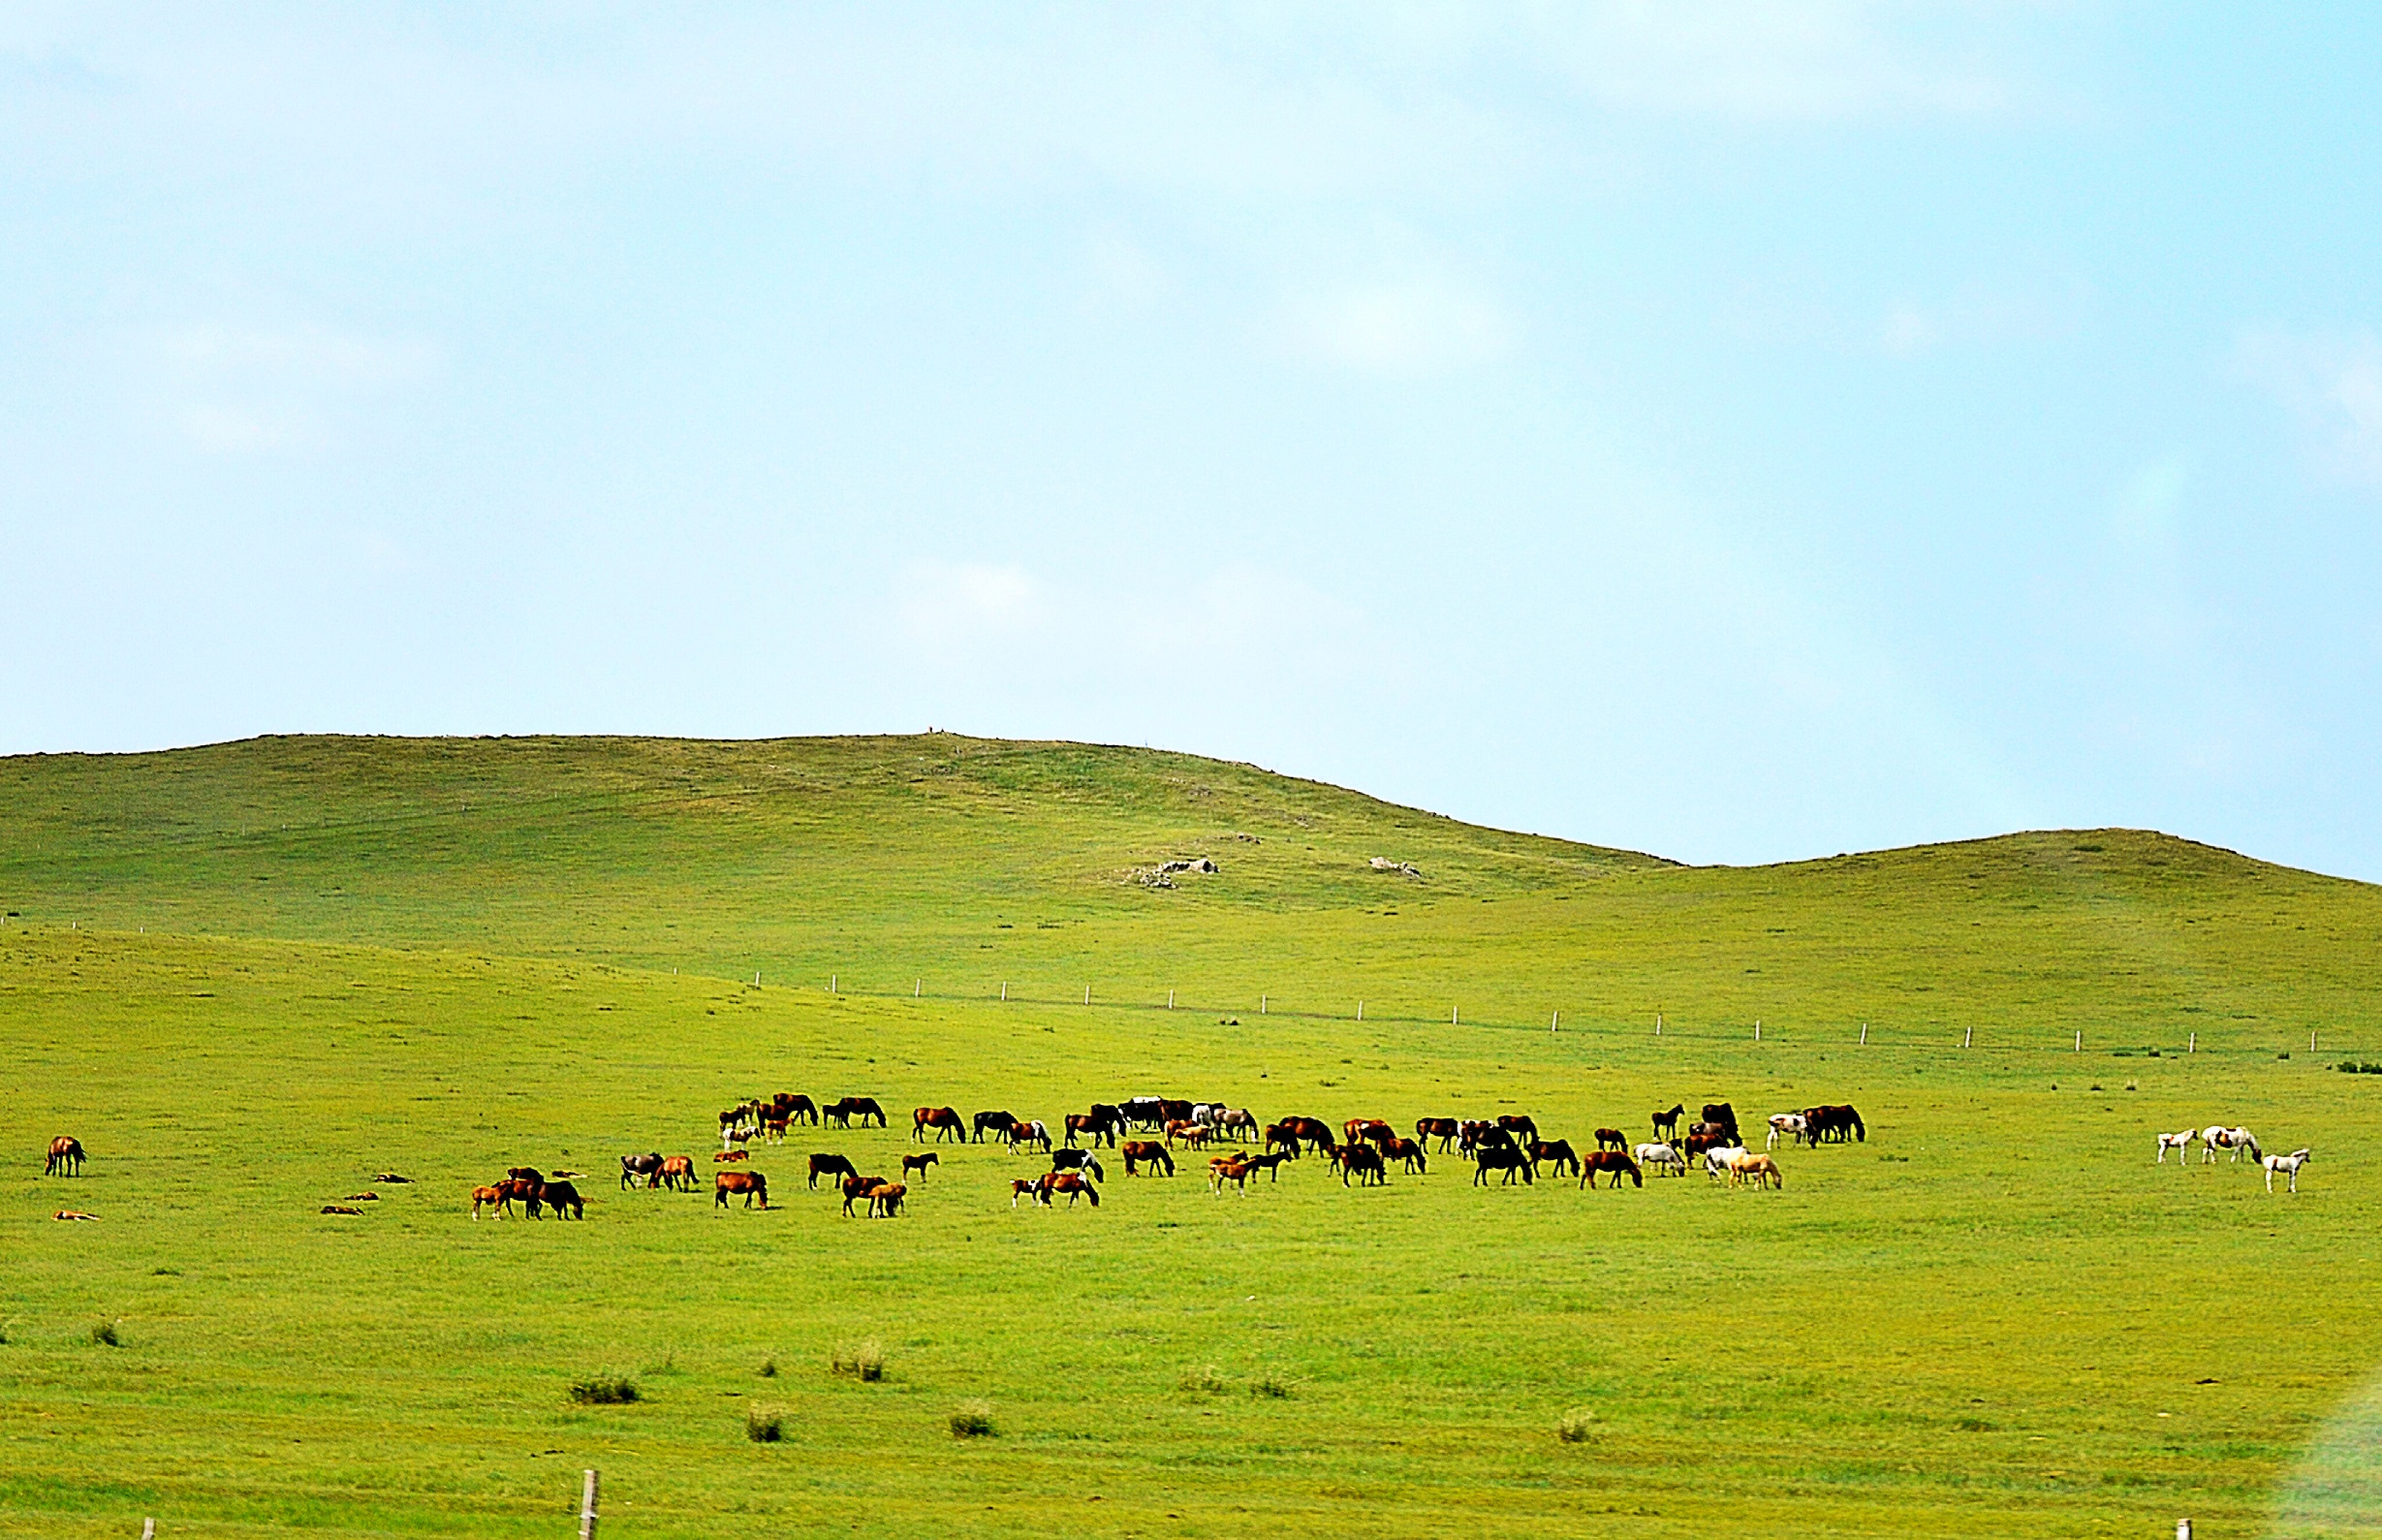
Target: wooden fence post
587,1508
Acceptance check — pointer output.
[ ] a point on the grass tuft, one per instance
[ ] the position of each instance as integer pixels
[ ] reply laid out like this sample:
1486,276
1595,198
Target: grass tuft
1269,1387
605,1390
765,1426
1577,1426
768,1369
106,1334
1205,1381
862,1360
972,1420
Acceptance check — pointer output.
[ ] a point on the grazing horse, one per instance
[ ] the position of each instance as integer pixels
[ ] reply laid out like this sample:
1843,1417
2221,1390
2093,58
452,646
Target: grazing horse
648,1168
2288,1164
730,1156
885,1199
774,1128
678,1173
1362,1161
944,1120
1760,1170
2179,1142
1142,1111
1029,1132
751,1183
1725,1116
65,1157
1560,1151
1720,1162
1100,1125
1484,1136
1409,1151
864,1107
1024,1187
1698,1145
2232,1141
1193,1134
1281,1135
1841,1121
1146,1153
827,1165
1370,1130
1078,1160
1661,1158
1271,1164
1793,1126
1070,1183
1443,1129
1612,1138
561,1195
1000,1124
1501,1157
795,1108
1519,1125
488,1198
1667,1124
1237,1122
918,1164
1312,1132
1611,1160
856,1188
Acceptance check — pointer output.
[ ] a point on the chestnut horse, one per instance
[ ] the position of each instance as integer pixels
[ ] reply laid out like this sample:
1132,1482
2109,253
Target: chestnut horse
751,1183
855,1187
885,1199
65,1157
1148,1153
678,1173
1443,1129
1612,1138
1557,1150
918,1164
1615,1161
944,1120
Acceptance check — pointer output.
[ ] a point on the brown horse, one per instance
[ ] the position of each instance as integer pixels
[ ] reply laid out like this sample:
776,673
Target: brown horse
1612,1138
1611,1160
751,1183
885,1199
522,1191
774,1128
918,1164
1557,1150
1233,1169
560,1196
826,1165
1501,1157
488,1198
1519,1125
857,1187
1725,1116
1283,1137
678,1173
1409,1151
1194,1135
729,1156
1370,1130
1443,1129
1072,1184
1839,1124
944,1120
1148,1153
1313,1132
794,1106
1100,1126
65,1157
1363,1162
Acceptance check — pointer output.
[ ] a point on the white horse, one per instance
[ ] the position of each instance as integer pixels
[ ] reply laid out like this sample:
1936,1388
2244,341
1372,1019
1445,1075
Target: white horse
1657,1159
1791,1125
2232,1141
1721,1162
2179,1142
2288,1164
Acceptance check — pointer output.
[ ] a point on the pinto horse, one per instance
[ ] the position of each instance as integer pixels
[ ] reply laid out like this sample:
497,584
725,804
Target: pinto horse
65,1157
1070,1183
1501,1157
1146,1153
2234,1141
1558,1150
827,1165
1443,1129
1615,1161
1078,1160
1024,1187
1029,1132
634,1168
751,1183
1237,1122
2179,1142
944,1120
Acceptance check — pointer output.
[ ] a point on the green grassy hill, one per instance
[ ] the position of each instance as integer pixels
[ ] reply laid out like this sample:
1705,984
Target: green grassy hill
251,976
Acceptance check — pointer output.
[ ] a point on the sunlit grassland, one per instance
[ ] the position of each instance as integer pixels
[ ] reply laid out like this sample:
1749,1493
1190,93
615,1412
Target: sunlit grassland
1971,1322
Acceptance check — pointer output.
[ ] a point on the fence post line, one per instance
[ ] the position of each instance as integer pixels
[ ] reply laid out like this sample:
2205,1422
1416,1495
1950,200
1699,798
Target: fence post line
1261,1005
831,983
2195,1048
587,1508
1455,1016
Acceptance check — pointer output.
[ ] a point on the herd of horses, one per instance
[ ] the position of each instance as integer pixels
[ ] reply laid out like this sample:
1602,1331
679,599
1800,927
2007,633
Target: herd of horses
1145,1133
2236,1142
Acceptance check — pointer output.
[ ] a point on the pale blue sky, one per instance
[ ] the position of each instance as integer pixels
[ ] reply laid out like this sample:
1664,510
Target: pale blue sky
1735,431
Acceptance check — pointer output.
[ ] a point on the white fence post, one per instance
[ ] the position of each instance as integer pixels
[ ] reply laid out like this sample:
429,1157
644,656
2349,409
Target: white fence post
2195,1048
587,1508
918,989
1359,1010
1757,1029
1087,994
148,1529
1170,999
1261,1005
1968,1035
1555,1023
2079,1040
1865,1035
1004,988
1455,1016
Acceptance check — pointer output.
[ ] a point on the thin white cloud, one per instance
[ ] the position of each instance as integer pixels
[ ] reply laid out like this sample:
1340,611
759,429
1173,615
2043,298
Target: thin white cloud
245,391
1409,327
953,612
2333,384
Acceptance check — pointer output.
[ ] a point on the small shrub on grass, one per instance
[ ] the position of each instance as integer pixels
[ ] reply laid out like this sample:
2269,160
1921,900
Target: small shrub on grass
2350,1066
106,1334
1269,1387
1577,1426
862,1360
1205,1382
765,1428
604,1390
972,1420
768,1369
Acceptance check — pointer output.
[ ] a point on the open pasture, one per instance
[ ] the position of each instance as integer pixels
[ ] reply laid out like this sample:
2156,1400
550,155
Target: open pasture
249,977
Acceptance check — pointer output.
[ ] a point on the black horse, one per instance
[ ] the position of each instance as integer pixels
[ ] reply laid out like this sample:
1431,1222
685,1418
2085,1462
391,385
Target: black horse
1503,1157
1667,1124
1000,1124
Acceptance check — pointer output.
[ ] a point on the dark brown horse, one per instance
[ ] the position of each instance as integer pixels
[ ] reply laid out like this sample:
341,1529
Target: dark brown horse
1100,1126
1409,1151
1839,1124
1313,1132
1558,1150
1443,1129
1148,1153
858,1188
751,1183
827,1165
944,1120
864,1107
1282,1137
1725,1116
1363,1162
1614,1161
794,1106
1519,1125
65,1157
1612,1138
560,1196
918,1164
1667,1124
1001,1124
1501,1157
